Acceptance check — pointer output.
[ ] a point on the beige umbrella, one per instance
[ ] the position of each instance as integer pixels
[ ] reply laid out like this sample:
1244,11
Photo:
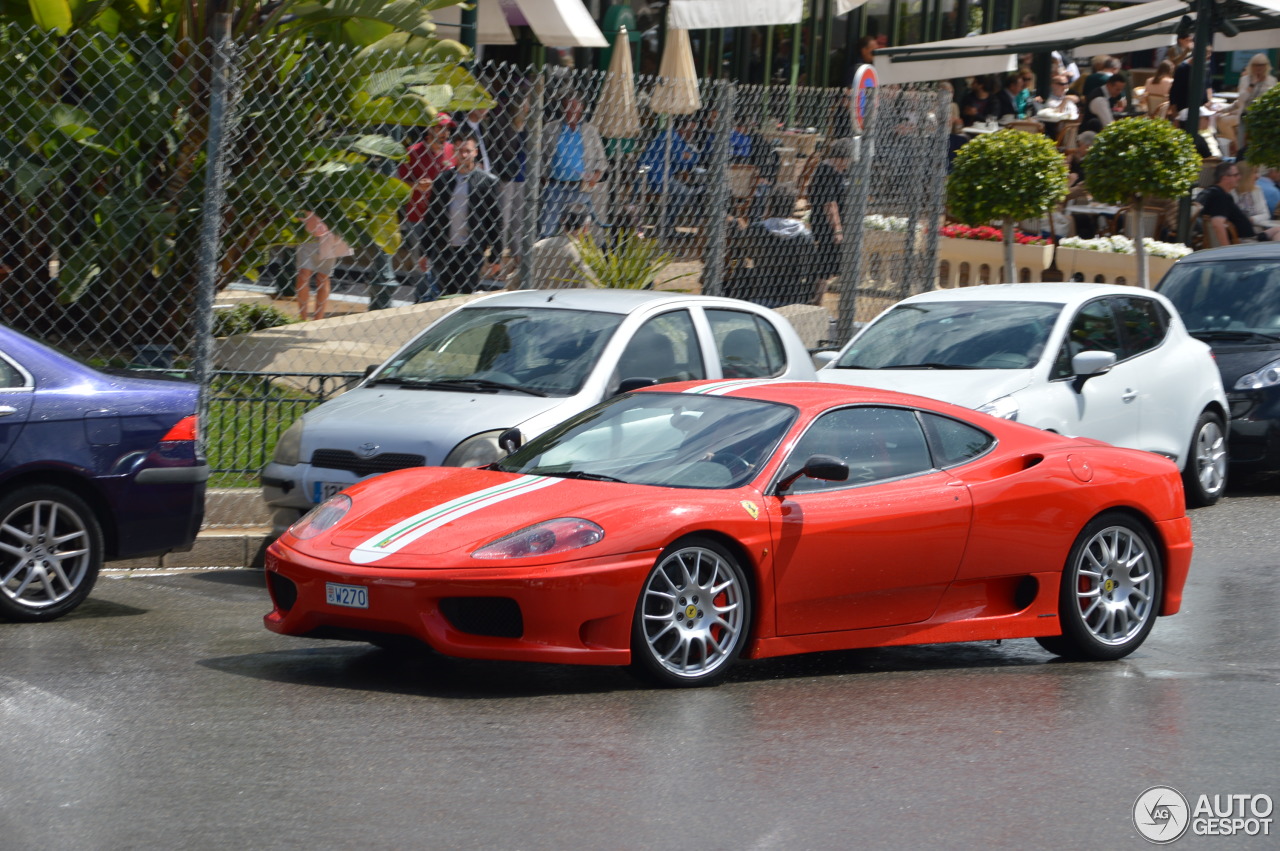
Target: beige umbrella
616,116
677,90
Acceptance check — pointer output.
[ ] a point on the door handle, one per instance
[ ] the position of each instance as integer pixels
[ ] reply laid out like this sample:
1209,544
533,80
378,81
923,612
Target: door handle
1129,395
6,410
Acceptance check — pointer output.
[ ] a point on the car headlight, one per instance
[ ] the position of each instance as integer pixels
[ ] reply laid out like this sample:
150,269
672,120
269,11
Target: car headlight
1268,376
1005,408
324,516
289,446
476,451
547,538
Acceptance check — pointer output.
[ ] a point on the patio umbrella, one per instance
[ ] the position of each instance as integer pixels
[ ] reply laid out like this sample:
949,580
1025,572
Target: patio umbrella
676,93
616,116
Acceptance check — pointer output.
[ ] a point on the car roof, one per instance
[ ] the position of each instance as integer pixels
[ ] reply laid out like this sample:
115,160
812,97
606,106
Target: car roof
1243,251
602,300
1067,292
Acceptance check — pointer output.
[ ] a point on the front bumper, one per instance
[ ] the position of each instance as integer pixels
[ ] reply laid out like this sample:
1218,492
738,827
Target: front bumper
1254,440
576,612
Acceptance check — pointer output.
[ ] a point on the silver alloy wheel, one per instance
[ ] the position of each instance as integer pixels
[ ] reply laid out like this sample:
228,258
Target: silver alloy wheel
1211,457
693,612
45,553
1115,585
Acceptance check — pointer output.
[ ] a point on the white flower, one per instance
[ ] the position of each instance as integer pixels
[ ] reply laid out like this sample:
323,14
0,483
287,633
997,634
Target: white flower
897,224
1124,245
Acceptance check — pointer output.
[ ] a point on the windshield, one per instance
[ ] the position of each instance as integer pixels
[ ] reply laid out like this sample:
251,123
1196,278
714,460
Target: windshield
1237,299
668,439
540,350
954,335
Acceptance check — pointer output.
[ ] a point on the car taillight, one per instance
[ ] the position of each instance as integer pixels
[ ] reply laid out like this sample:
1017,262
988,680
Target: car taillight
184,429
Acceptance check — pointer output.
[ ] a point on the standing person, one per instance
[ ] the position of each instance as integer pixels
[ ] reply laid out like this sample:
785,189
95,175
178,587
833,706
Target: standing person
683,156
428,159
1180,89
316,259
464,223
501,142
1103,103
574,159
828,190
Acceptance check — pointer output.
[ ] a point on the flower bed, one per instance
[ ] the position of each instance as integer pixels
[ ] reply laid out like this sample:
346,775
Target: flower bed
1124,245
987,233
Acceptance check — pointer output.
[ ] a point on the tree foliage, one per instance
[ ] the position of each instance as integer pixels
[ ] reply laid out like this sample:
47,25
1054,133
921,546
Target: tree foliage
1262,129
1009,175
1140,158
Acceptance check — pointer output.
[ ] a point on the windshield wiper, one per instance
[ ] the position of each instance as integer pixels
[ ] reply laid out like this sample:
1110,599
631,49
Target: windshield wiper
481,384
930,365
397,381
579,474
1234,335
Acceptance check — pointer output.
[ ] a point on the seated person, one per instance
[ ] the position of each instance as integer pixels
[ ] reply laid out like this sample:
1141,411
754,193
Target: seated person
1221,208
777,258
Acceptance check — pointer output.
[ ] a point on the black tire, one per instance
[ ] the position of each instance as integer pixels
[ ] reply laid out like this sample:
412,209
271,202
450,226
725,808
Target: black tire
50,553
1110,591
1204,475
692,616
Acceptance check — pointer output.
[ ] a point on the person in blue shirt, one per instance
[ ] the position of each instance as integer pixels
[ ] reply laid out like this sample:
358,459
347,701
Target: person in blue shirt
684,159
574,160
1267,183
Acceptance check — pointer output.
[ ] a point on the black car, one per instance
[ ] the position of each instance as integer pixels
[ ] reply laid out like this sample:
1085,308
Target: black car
1230,298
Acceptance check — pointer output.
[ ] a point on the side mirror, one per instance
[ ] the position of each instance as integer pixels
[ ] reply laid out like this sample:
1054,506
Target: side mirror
510,440
371,369
822,467
824,357
629,384
1088,364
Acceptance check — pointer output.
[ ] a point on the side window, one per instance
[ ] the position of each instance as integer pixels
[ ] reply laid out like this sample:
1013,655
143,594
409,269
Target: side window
9,376
876,443
1144,323
954,442
665,348
1092,330
749,346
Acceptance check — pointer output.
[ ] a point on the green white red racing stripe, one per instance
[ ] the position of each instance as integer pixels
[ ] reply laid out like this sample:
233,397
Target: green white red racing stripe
719,388
402,534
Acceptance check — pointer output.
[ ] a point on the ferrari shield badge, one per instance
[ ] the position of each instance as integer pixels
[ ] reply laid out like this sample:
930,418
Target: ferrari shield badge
751,509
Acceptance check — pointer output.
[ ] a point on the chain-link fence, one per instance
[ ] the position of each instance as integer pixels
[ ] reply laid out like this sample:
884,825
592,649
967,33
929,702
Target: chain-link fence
271,221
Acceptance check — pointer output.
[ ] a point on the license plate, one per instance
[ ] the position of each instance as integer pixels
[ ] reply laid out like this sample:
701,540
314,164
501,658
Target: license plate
351,596
323,490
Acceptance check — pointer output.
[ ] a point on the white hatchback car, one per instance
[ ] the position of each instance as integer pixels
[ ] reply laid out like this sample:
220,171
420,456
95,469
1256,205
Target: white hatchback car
1113,363
525,360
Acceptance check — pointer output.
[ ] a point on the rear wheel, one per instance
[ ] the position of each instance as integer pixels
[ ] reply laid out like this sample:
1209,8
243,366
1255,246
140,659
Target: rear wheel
1110,592
1204,476
692,616
50,553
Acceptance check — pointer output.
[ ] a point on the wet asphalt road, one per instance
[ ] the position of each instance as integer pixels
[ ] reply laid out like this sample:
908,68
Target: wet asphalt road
162,715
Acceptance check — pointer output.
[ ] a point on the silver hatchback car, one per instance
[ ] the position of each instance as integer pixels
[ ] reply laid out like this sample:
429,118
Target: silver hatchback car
525,360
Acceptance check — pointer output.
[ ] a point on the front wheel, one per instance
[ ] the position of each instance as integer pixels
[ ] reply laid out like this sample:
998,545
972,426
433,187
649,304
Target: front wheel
1110,592
50,553
692,616
1204,475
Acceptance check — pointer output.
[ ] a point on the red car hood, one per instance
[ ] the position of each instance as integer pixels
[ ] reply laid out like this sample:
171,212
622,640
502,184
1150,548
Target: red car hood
436,517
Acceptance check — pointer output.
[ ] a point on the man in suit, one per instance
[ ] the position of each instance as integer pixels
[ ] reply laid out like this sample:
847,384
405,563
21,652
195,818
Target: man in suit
464,222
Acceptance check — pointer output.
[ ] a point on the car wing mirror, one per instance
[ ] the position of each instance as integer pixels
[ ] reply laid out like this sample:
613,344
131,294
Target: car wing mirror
510,440
1088,364
823,357
825,468
629,384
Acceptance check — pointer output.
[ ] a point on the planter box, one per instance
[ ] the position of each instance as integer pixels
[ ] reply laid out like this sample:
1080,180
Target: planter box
965,259
1101,267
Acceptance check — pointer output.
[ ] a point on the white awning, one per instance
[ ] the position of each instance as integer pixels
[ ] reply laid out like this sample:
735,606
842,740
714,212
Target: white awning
491,24
560,23
719,14
844,7
1135,27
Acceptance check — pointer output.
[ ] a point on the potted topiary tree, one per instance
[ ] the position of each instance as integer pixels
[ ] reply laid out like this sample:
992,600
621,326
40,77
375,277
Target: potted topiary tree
1134,160
1262,129
1005,177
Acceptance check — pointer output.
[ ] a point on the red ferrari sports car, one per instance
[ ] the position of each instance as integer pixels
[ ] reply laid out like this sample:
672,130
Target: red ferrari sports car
679,528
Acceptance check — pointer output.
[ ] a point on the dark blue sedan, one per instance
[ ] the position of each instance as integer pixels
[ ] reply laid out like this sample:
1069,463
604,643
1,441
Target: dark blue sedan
93,467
